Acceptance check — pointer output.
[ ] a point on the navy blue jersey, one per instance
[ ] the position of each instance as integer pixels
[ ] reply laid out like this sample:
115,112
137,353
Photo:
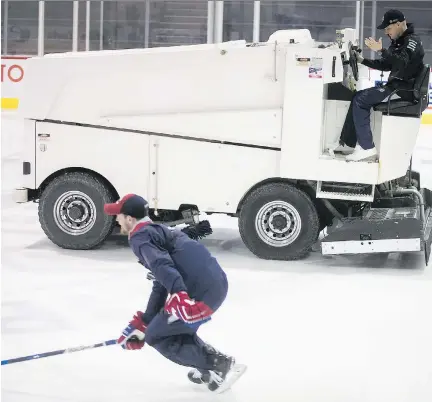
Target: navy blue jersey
178,264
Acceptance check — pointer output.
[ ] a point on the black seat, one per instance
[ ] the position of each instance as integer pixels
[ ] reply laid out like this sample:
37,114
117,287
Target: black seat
400,107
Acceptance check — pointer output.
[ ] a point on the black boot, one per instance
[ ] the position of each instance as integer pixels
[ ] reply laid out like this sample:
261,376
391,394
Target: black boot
221,364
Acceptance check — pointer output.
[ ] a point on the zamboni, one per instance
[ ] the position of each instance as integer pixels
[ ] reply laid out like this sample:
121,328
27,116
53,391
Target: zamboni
243,129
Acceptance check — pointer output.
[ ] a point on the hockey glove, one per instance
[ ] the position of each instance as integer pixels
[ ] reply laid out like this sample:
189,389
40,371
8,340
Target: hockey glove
190,311
132,337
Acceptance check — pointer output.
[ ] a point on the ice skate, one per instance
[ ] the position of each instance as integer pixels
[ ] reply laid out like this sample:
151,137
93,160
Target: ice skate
225,373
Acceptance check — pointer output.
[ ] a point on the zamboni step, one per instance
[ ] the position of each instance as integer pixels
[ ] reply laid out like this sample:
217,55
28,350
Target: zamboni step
381,230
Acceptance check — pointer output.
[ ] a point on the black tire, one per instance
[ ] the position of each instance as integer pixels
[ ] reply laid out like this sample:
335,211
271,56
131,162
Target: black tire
295,241
92,191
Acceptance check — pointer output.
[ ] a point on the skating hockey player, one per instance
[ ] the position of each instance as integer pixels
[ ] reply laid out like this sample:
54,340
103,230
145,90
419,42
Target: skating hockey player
404,60
197,286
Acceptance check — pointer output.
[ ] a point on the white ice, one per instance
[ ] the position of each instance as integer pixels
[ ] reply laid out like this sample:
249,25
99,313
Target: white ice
318,330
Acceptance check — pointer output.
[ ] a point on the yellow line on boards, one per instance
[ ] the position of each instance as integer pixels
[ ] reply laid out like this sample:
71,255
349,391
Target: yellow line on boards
426,118
9,103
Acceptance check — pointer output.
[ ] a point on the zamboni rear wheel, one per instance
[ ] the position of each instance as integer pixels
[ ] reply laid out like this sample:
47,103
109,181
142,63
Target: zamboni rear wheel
279,222
71,211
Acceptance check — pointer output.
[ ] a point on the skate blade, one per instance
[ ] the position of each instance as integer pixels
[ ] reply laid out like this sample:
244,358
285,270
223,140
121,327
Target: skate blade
233,376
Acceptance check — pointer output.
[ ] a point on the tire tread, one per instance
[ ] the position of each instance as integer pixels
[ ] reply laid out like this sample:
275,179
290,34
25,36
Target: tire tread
283,253
82,178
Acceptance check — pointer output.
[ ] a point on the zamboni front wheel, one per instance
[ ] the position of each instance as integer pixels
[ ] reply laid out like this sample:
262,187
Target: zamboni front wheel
279,222
71,211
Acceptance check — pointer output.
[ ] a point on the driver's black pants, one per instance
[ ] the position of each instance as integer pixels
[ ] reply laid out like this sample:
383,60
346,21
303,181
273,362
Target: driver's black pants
357,123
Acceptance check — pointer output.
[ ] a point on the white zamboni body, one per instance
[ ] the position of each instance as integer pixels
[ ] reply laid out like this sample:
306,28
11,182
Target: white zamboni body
203,128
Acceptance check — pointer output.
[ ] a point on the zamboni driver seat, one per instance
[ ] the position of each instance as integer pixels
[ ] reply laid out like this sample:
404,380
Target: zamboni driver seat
400,107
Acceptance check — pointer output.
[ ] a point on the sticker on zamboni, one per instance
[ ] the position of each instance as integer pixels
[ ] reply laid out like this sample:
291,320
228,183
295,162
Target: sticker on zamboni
316,68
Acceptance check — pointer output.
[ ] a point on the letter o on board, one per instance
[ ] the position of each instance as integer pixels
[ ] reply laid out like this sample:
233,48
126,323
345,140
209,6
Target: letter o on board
15,73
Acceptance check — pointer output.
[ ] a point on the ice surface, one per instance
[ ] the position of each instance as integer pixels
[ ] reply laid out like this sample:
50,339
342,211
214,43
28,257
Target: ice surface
319,330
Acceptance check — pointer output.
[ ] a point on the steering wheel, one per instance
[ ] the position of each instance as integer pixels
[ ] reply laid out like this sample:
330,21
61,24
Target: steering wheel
353,61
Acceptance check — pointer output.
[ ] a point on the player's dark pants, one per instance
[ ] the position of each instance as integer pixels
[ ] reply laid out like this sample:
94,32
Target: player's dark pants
357,123
179,342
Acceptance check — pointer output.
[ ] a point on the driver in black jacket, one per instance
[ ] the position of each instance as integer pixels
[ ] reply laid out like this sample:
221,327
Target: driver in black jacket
404,60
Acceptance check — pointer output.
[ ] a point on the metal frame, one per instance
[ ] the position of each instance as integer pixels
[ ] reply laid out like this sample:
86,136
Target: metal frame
361,33
218,21
373,23
357,19
256,21
41,29
210,21
5,26
75,17
87,39
146,25
101,25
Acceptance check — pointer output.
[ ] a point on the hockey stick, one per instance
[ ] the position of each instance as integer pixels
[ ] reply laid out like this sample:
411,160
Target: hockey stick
58,352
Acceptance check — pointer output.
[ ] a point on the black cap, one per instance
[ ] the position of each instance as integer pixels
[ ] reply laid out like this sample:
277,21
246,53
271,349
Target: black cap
390,17
131,204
